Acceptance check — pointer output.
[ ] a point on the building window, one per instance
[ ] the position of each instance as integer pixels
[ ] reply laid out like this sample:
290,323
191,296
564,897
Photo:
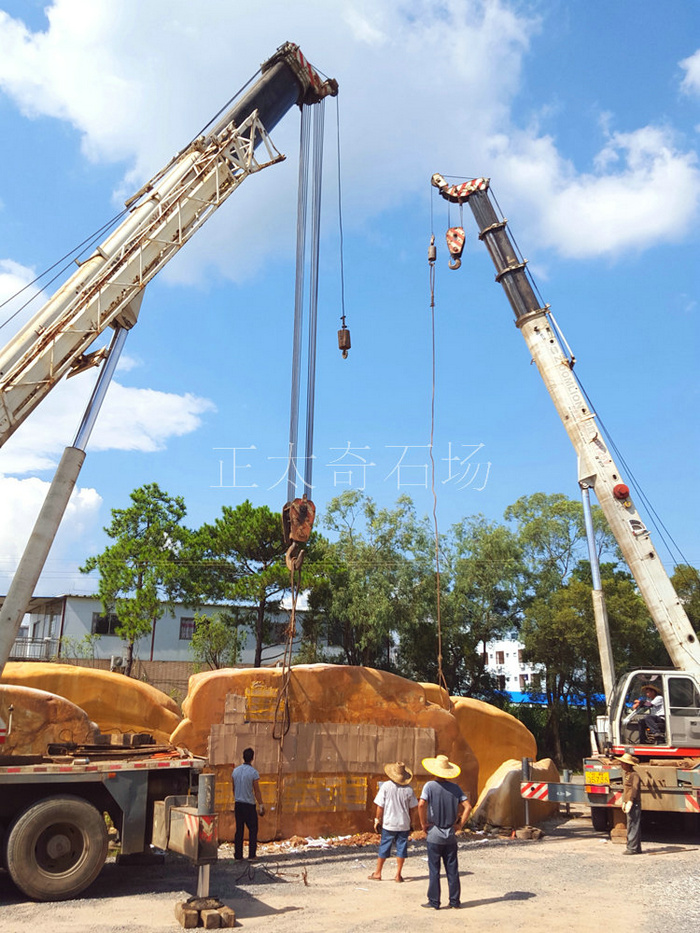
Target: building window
501,681
520,656
104,624
524,678
500,657
186,628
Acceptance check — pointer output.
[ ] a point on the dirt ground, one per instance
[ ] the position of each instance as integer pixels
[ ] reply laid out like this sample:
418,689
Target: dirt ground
571,879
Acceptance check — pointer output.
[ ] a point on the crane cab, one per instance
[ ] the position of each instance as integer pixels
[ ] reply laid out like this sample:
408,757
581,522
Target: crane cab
666,729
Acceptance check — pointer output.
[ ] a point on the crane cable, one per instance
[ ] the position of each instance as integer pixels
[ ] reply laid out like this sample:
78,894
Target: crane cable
298,514
432,255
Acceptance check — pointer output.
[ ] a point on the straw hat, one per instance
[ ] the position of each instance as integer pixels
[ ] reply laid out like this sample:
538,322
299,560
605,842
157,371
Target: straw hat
398,772
628,759
441,767
651,687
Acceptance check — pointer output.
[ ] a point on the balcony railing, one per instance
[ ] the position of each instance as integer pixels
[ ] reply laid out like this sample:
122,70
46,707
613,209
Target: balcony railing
34,649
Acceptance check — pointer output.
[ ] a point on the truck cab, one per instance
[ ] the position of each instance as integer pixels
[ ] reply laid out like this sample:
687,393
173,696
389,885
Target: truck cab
680,692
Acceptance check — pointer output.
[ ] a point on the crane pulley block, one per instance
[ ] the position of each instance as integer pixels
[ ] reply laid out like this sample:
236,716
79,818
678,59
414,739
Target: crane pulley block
298,520
455,237
344,341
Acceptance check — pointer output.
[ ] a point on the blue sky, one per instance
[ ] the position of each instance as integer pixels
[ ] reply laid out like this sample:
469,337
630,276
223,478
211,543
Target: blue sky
584,115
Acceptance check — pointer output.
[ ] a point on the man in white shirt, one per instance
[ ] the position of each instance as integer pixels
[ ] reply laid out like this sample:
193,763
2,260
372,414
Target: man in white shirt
396,803
246,792
655,720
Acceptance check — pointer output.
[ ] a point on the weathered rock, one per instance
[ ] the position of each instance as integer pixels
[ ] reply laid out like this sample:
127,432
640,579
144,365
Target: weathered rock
437,695
493,735
363,718
116,703
40,719
500,803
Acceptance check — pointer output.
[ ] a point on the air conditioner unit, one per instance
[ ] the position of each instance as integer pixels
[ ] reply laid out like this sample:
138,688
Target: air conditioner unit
117,663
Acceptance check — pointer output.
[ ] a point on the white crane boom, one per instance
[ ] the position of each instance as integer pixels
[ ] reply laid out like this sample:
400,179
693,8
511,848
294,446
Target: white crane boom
164,214
596,468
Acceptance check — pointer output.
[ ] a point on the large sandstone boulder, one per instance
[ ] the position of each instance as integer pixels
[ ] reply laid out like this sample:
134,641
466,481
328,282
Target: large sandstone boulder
500,803
345,723
493,735
38,719
115,702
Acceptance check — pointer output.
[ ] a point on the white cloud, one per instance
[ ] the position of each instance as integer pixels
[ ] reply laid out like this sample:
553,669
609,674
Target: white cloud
130,419
428,90
20,501
19,299
645,192
691,80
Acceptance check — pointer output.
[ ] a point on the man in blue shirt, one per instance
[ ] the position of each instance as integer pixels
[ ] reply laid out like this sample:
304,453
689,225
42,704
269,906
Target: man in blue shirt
246,792
442,807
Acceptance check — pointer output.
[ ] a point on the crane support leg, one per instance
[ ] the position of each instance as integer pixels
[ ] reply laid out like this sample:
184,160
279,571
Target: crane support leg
47,524
37,549
600,612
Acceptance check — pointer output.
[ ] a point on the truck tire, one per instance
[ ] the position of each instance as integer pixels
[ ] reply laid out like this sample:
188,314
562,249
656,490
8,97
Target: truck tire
56,848
600,819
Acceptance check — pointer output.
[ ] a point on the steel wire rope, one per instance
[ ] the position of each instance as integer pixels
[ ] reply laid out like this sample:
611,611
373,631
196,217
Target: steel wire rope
438,580
72,256
341,237
282,716
317,179
302,200
664,534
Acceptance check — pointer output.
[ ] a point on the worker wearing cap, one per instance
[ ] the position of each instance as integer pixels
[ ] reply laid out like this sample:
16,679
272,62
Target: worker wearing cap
396,803
443,806
631,803
655,720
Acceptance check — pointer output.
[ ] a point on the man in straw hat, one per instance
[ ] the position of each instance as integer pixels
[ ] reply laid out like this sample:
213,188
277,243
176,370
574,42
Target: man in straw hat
396,804
443,806
631,803
655,720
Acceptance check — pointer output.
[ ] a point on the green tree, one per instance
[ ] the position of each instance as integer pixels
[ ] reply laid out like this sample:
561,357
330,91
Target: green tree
558,632
686,580
480,582
239,558
552,535
217,639
375,568
558,628
140,573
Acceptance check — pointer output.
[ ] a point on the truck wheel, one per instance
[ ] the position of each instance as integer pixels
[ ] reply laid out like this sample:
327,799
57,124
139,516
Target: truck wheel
600,819
56,848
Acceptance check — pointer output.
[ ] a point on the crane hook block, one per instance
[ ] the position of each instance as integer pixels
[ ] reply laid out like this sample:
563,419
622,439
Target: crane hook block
344,341
298,520
455,237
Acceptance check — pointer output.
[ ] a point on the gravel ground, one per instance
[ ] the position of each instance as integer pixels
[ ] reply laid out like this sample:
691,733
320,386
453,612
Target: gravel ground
572,879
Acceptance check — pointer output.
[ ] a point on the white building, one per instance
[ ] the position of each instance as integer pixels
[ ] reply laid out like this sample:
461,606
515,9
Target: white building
504,659
55,625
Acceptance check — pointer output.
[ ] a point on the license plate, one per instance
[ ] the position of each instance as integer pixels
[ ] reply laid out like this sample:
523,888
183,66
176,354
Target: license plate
596,777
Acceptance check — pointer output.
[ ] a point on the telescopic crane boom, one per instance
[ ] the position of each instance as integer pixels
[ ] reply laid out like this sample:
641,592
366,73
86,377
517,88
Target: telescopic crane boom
596,468
163,215
107,289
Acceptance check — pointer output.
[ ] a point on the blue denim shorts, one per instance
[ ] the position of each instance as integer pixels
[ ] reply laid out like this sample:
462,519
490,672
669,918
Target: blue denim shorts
390,836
